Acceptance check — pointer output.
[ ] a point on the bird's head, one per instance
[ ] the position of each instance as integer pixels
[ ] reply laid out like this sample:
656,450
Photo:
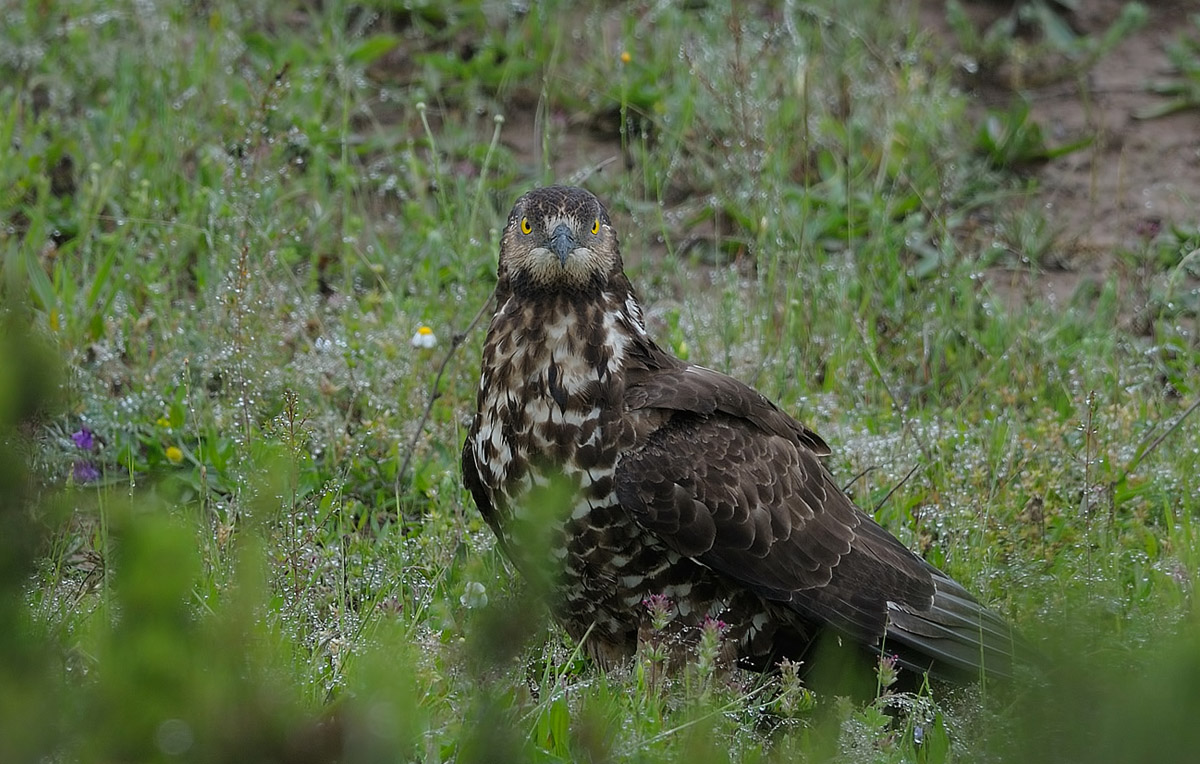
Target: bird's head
558,238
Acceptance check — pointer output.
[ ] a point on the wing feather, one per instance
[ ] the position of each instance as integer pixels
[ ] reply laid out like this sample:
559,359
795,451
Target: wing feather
474,484
668,383
734,483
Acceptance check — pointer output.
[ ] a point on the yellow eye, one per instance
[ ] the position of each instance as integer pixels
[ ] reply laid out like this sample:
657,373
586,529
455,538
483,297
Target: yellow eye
596,227
525,227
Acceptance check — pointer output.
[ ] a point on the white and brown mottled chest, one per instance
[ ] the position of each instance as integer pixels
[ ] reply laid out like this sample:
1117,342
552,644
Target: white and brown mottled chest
550,400
549,430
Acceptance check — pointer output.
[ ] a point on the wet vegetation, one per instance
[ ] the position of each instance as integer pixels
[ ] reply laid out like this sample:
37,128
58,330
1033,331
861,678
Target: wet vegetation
241,242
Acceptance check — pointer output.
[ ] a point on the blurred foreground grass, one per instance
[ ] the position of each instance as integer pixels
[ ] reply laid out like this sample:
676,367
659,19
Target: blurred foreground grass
227,538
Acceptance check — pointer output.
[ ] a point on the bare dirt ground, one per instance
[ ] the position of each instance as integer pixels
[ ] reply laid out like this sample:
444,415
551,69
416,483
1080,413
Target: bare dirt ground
1138,170
1138,175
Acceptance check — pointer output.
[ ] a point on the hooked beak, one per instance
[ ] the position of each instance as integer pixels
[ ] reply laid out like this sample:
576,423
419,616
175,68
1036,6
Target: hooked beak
562,242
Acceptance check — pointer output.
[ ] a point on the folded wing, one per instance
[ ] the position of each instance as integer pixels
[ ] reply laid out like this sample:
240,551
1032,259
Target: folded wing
732,482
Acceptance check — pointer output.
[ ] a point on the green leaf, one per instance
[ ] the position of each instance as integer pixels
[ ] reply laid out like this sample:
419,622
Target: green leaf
100,280
553,728
43,290
935,743
261,45
1068,148
1164,109
1057,31
373,48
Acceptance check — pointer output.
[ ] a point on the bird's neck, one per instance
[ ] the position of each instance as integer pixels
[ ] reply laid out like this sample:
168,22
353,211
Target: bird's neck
564,342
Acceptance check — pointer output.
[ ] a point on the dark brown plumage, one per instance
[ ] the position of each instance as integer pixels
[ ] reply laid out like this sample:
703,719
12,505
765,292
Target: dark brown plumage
613,472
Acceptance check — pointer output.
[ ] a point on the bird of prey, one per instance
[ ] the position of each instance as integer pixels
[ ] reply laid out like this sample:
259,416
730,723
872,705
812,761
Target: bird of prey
622,481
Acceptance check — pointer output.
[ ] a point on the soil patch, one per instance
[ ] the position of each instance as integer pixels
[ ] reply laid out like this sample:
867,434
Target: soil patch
1138,177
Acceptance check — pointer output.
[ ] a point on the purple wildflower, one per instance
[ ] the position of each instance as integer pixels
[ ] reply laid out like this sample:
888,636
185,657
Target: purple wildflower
660,607
85,472
1148,228
657,602
888,670
83,439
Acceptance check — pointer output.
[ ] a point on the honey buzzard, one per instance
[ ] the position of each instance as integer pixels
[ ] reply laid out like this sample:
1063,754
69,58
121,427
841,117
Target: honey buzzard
615,474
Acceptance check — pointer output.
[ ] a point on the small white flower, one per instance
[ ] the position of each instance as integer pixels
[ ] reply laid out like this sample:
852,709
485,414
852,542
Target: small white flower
424,338
474,595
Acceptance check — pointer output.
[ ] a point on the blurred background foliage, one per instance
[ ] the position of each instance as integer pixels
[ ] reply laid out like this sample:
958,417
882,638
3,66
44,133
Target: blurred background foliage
239,245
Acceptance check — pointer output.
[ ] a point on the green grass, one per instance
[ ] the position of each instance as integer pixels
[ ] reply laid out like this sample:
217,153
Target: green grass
223,224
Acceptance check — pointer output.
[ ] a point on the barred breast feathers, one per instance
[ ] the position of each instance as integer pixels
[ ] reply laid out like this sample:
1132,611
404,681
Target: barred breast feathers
549,369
